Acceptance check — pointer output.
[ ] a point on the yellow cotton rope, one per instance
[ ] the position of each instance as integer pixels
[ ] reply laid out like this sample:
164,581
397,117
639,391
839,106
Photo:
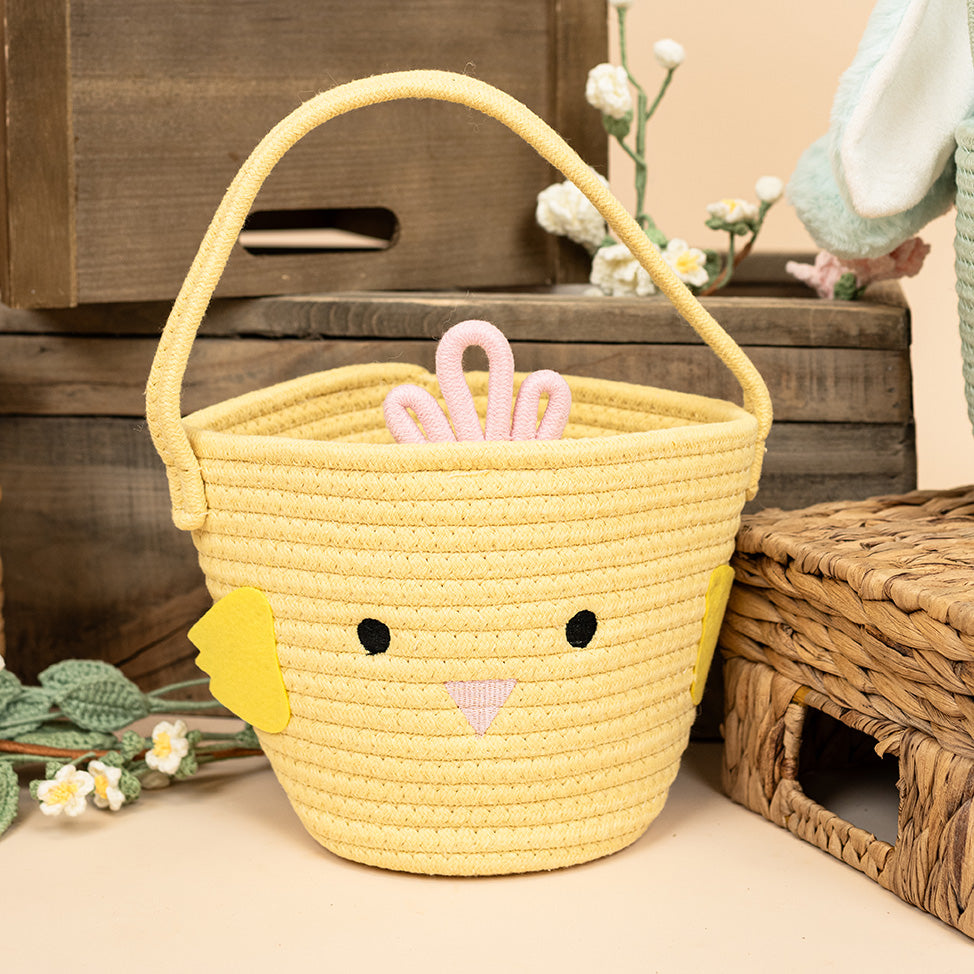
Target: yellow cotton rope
163,408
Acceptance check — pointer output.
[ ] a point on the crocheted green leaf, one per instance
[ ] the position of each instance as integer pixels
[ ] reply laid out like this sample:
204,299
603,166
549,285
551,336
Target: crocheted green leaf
187,767
132,744
618,128
846,288
130,787
9,795
740,228
26,712
10,688
58,735
70,672
100,704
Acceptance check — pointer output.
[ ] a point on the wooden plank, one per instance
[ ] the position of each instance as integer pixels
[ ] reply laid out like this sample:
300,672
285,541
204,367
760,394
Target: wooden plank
544,316
771,321
37,185
142,249
576,34
163,116
68,375
92,564
808,463
130,120
94,567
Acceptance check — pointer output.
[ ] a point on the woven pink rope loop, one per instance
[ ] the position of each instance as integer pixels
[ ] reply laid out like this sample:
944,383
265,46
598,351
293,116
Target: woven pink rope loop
500,382
414,416
525,425
429,425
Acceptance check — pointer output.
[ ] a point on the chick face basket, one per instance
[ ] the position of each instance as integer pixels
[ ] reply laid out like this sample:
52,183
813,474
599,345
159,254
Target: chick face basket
461,658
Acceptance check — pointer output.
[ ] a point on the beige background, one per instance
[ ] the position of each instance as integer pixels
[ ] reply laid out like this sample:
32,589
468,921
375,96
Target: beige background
756,88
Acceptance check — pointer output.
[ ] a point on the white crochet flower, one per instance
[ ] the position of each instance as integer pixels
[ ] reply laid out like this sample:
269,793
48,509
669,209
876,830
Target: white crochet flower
769,189
688,262
65,792
607,89
669,53
733,210
616,272
563,209
106,779
169,746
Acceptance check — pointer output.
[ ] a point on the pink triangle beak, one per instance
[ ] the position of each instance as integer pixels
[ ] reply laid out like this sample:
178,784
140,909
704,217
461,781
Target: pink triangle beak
480,700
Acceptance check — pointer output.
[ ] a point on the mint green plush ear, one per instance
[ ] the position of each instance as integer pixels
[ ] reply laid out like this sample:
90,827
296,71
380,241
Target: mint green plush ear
238,650
900,110
885,169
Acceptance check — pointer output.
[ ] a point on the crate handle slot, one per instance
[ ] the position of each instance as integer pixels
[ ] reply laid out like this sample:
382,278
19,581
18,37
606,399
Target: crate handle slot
163,409
362,229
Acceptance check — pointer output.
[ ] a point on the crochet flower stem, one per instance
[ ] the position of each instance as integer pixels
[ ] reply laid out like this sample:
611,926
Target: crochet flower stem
29,753
186,684
733,260
78,724
662,91
638,156
159,702
729,265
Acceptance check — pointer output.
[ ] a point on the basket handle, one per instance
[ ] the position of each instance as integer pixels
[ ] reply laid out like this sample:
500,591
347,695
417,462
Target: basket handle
163,410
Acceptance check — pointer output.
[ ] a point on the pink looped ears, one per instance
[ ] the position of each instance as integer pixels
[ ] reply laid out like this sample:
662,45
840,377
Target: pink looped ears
427,423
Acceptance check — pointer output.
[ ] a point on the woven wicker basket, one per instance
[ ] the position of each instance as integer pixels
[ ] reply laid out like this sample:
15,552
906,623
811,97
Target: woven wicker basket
863,611
475,556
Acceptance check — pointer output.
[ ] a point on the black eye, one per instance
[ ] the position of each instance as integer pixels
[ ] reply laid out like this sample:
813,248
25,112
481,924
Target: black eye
374,636
581,628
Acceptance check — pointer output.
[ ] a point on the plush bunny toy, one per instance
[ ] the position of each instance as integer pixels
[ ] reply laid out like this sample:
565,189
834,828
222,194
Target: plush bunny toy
886,169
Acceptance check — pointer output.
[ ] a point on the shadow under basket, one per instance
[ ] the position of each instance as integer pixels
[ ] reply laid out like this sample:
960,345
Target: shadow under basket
863,612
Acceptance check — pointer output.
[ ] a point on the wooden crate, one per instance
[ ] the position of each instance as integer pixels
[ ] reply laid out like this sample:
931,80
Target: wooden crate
93,565
125,120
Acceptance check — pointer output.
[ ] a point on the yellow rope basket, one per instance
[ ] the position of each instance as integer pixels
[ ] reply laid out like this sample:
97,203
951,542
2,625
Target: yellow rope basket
475,557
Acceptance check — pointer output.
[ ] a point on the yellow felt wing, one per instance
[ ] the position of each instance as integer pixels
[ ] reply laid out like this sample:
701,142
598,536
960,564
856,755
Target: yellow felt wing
238,650
718,592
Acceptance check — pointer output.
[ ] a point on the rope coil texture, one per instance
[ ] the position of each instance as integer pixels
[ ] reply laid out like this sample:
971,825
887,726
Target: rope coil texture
964,253
476,557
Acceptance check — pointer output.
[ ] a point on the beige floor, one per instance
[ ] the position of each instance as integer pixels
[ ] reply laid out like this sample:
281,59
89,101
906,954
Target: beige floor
217,875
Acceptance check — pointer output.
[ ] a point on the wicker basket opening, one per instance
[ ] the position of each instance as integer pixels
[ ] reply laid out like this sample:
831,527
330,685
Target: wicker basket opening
838,768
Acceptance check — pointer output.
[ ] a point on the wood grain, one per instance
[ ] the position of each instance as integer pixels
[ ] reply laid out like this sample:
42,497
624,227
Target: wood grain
92,564
145,110
569,62
37,255
67,375
791,320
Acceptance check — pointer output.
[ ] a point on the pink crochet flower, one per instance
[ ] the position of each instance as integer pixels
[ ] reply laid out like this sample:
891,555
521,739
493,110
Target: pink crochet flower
905,261
822,275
